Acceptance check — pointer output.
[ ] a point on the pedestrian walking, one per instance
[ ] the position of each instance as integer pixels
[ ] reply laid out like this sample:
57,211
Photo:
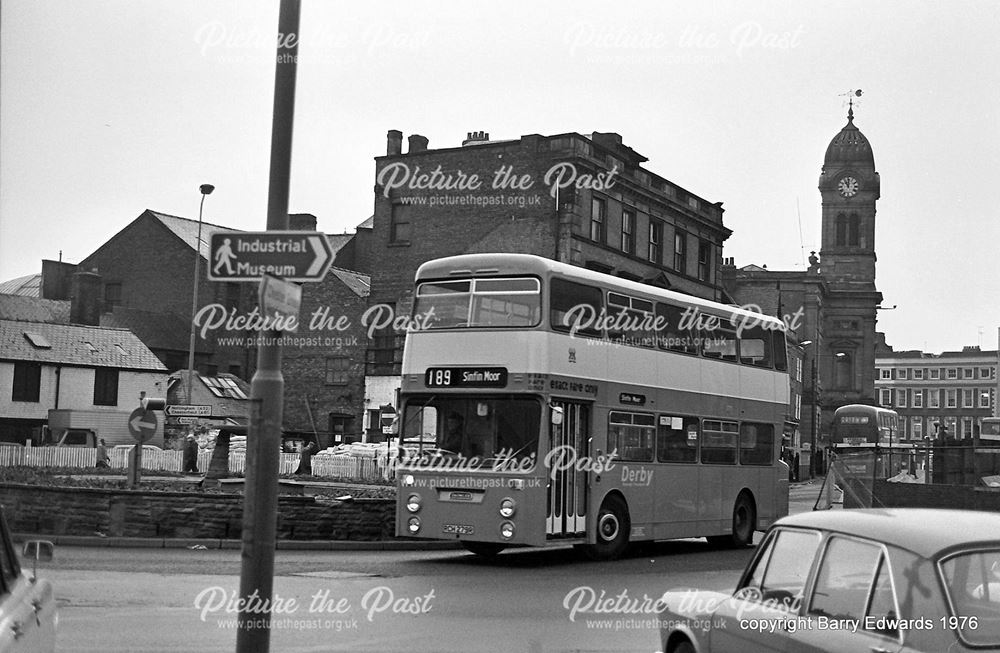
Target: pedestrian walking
103,459
191,455
305,459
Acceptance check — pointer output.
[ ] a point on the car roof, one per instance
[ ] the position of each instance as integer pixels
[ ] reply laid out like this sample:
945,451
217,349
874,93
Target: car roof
926,532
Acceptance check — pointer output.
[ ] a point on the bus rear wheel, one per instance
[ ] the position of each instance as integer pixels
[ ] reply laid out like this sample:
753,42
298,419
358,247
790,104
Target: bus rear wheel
484,549
744,525
613,528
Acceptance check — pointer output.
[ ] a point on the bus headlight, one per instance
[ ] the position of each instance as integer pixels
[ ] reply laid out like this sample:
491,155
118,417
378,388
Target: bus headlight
408,480
507,530
413,503
413,524
507,508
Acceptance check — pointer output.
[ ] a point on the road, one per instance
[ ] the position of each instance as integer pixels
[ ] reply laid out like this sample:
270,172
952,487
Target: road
135,600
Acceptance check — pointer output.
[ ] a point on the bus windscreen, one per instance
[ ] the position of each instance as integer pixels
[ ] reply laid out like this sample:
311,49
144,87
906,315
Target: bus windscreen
488,428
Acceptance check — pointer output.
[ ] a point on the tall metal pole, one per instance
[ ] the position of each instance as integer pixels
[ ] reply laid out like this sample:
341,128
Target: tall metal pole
260,499
206,189
812,418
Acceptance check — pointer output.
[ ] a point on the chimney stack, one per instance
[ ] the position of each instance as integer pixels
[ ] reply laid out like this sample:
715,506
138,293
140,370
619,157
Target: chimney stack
394,142
476,137
57,279
302,221
418,143
85,300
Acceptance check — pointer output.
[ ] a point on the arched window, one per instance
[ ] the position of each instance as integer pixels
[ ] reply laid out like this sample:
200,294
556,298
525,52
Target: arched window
843,371
854,231
841,224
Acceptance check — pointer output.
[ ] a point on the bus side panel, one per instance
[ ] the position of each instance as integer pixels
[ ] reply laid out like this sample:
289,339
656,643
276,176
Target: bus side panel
677,510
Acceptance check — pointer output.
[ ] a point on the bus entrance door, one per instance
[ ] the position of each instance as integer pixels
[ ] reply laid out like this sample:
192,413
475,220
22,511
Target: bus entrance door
569,442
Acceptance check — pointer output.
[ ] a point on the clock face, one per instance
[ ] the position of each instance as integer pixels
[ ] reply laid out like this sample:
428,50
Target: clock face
848,186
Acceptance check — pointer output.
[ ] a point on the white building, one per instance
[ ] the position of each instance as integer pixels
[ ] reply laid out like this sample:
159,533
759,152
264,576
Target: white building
47,366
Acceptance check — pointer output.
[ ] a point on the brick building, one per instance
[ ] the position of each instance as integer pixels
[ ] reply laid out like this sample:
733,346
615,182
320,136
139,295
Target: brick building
955,389
323,363
831,306
149,266
143,276
585,200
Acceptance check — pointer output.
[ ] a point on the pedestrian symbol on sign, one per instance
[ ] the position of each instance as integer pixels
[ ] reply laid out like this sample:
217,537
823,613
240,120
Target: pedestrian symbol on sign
224,257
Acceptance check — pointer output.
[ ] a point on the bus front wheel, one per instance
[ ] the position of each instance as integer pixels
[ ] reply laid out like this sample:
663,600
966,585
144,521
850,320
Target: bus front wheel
613,528
484,549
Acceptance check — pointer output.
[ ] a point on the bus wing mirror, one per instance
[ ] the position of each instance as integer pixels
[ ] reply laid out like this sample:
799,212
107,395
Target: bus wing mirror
557,416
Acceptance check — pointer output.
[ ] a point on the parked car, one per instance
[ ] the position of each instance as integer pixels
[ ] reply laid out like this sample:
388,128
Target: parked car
899,580
28,614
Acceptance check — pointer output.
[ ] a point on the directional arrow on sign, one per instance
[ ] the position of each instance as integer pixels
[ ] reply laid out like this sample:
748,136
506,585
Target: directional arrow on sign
138,425
249,255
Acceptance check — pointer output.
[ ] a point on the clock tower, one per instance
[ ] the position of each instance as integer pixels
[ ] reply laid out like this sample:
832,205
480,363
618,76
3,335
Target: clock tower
849,188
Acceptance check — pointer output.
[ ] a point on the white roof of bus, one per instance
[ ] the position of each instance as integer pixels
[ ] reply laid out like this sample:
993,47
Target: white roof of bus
522,263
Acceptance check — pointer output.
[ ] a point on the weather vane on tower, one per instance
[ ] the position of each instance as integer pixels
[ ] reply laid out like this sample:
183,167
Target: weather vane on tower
851,94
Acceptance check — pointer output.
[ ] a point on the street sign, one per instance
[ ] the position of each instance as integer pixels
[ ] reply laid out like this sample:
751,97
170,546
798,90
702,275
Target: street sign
142,424
279,297
187,420
188,411
249,255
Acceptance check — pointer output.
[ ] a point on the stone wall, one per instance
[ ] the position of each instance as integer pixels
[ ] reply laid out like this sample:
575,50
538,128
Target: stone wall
120,513
917,495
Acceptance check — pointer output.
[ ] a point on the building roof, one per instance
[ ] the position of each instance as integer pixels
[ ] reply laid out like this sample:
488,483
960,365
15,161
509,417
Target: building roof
33,309
367,224
926,532
360,284
72,344
228,394
972,355
159,331
337,241
849,146
187,230
26,286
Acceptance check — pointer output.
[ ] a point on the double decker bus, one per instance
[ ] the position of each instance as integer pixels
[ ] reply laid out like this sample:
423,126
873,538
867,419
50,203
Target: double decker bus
859,425
544,404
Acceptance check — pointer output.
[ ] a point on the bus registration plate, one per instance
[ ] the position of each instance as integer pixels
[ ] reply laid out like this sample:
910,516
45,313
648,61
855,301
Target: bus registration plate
459,529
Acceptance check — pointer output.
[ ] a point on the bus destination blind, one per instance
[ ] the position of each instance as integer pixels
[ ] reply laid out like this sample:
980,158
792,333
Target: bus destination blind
466,377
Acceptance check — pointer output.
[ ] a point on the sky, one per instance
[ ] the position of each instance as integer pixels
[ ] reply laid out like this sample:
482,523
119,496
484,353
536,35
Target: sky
109,108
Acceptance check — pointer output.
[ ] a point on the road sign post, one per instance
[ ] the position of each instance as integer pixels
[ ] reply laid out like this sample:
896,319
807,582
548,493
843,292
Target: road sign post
260,504
142,423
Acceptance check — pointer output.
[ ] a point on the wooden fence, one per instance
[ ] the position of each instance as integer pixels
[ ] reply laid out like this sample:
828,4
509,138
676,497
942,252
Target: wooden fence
355,468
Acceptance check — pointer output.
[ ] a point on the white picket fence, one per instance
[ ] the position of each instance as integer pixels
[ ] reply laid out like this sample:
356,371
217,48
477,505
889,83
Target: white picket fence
355,468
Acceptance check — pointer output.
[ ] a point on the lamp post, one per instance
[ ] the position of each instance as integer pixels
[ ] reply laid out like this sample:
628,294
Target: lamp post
812,406
206,189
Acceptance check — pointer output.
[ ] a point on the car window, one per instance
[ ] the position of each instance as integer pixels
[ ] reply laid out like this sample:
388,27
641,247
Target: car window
882,614
972,581
779,577
844,578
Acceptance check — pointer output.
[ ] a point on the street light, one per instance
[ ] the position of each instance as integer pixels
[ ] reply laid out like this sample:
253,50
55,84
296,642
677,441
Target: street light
814,403
206,189
812,406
